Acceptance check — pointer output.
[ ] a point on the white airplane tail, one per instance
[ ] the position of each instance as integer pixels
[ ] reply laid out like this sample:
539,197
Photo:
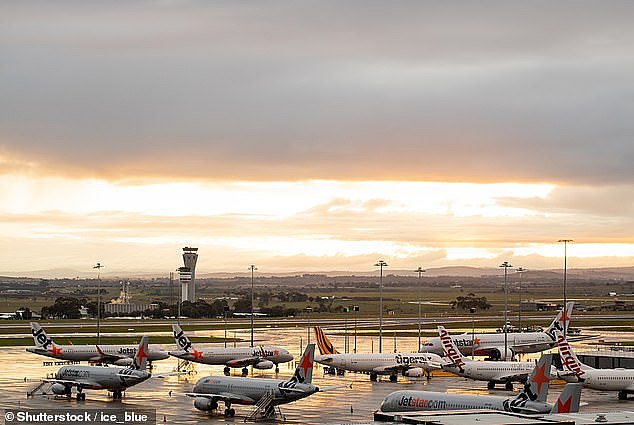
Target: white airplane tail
450,350
140,357
569,360
182,342
536,386
324,344
40,338
557,323
304,371
569,399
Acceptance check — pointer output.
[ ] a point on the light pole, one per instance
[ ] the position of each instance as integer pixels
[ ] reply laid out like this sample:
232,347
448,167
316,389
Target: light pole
98,267
308,311
420,271
356,310
381,264
472,310
225,309
345,327
520,270
565,241
506,265
252,268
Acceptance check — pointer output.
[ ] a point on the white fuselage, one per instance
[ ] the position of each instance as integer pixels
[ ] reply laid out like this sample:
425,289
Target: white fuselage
97,377
404,401
235,357
492,371
380,363
90,352
250,390
604,379
484,344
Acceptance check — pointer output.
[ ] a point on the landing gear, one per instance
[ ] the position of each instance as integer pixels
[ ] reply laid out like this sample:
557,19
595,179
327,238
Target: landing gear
393,378
245,371
373,376
227,371
81,396
116,395
622,395
277,368
491,385
508,386
229,411
330,370
68,393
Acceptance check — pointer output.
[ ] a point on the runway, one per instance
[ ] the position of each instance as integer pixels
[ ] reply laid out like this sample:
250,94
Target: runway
356,404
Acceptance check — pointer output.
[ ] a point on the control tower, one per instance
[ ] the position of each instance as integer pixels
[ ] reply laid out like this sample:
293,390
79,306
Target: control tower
187,279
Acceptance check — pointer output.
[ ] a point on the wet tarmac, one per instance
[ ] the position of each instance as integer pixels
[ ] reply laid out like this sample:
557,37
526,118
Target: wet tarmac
341,405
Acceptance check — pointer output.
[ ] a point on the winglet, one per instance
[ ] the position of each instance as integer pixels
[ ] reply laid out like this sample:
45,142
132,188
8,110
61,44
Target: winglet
568,401
304,371
536,387
181,339
324,344
140,357
450,350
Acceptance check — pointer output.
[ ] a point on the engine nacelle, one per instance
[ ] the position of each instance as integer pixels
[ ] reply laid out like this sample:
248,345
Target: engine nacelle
205,404
123,362
263,364
499,354
414,372
59,389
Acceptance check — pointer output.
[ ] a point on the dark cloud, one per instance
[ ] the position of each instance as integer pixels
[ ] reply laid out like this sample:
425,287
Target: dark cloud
354,90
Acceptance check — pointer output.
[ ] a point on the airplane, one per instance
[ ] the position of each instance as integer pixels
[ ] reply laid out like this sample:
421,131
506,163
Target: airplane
531,400
409,364
266,393
492,344
621,380
493,371
113,379
120,355
259,357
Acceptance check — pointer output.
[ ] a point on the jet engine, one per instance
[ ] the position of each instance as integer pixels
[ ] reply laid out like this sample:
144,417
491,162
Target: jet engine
414,372
263,364
498,354
59,389
205,404
123,362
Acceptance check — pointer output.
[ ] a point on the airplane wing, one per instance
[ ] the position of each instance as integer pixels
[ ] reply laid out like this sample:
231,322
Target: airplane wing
235,398
246,361
333,387
106,357
517,376
77,384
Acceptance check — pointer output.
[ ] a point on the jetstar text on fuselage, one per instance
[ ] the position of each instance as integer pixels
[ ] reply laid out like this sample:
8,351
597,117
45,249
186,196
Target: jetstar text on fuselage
422,403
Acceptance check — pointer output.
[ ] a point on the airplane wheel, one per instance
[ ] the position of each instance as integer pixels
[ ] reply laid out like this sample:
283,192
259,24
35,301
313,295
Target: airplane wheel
277,369
227,371
245,371
393,378
508,385
232,412
373,376
490,385
622,395
227,412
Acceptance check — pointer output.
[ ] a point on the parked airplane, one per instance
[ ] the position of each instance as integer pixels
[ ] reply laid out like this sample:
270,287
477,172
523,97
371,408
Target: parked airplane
409,364
259,357
532,398
621,380
266,393
102,378
486,370
120,355
492,344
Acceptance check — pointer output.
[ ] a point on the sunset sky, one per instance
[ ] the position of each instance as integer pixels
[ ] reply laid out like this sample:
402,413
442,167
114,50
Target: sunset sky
315,135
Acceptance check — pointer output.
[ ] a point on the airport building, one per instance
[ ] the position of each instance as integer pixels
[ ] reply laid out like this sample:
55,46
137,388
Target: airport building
187,274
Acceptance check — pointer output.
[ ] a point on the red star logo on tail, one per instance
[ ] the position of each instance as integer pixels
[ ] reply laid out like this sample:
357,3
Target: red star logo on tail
306,364
540,377
565,407
563,317
56,351
141,353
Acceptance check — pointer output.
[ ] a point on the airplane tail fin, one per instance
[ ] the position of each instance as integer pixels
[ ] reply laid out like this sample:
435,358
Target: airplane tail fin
324,344
568,401
39,336
450,350
558,321
304,371
181,340
569,359
140,357
536,387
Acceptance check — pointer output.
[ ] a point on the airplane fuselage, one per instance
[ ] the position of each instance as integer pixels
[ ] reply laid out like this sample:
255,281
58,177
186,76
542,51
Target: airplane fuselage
97,377
404,401
604,379
233,356
90,352
492,371
380,363
485,344
250,390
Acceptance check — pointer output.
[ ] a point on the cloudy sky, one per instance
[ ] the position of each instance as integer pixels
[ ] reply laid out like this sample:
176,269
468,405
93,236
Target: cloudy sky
315,135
